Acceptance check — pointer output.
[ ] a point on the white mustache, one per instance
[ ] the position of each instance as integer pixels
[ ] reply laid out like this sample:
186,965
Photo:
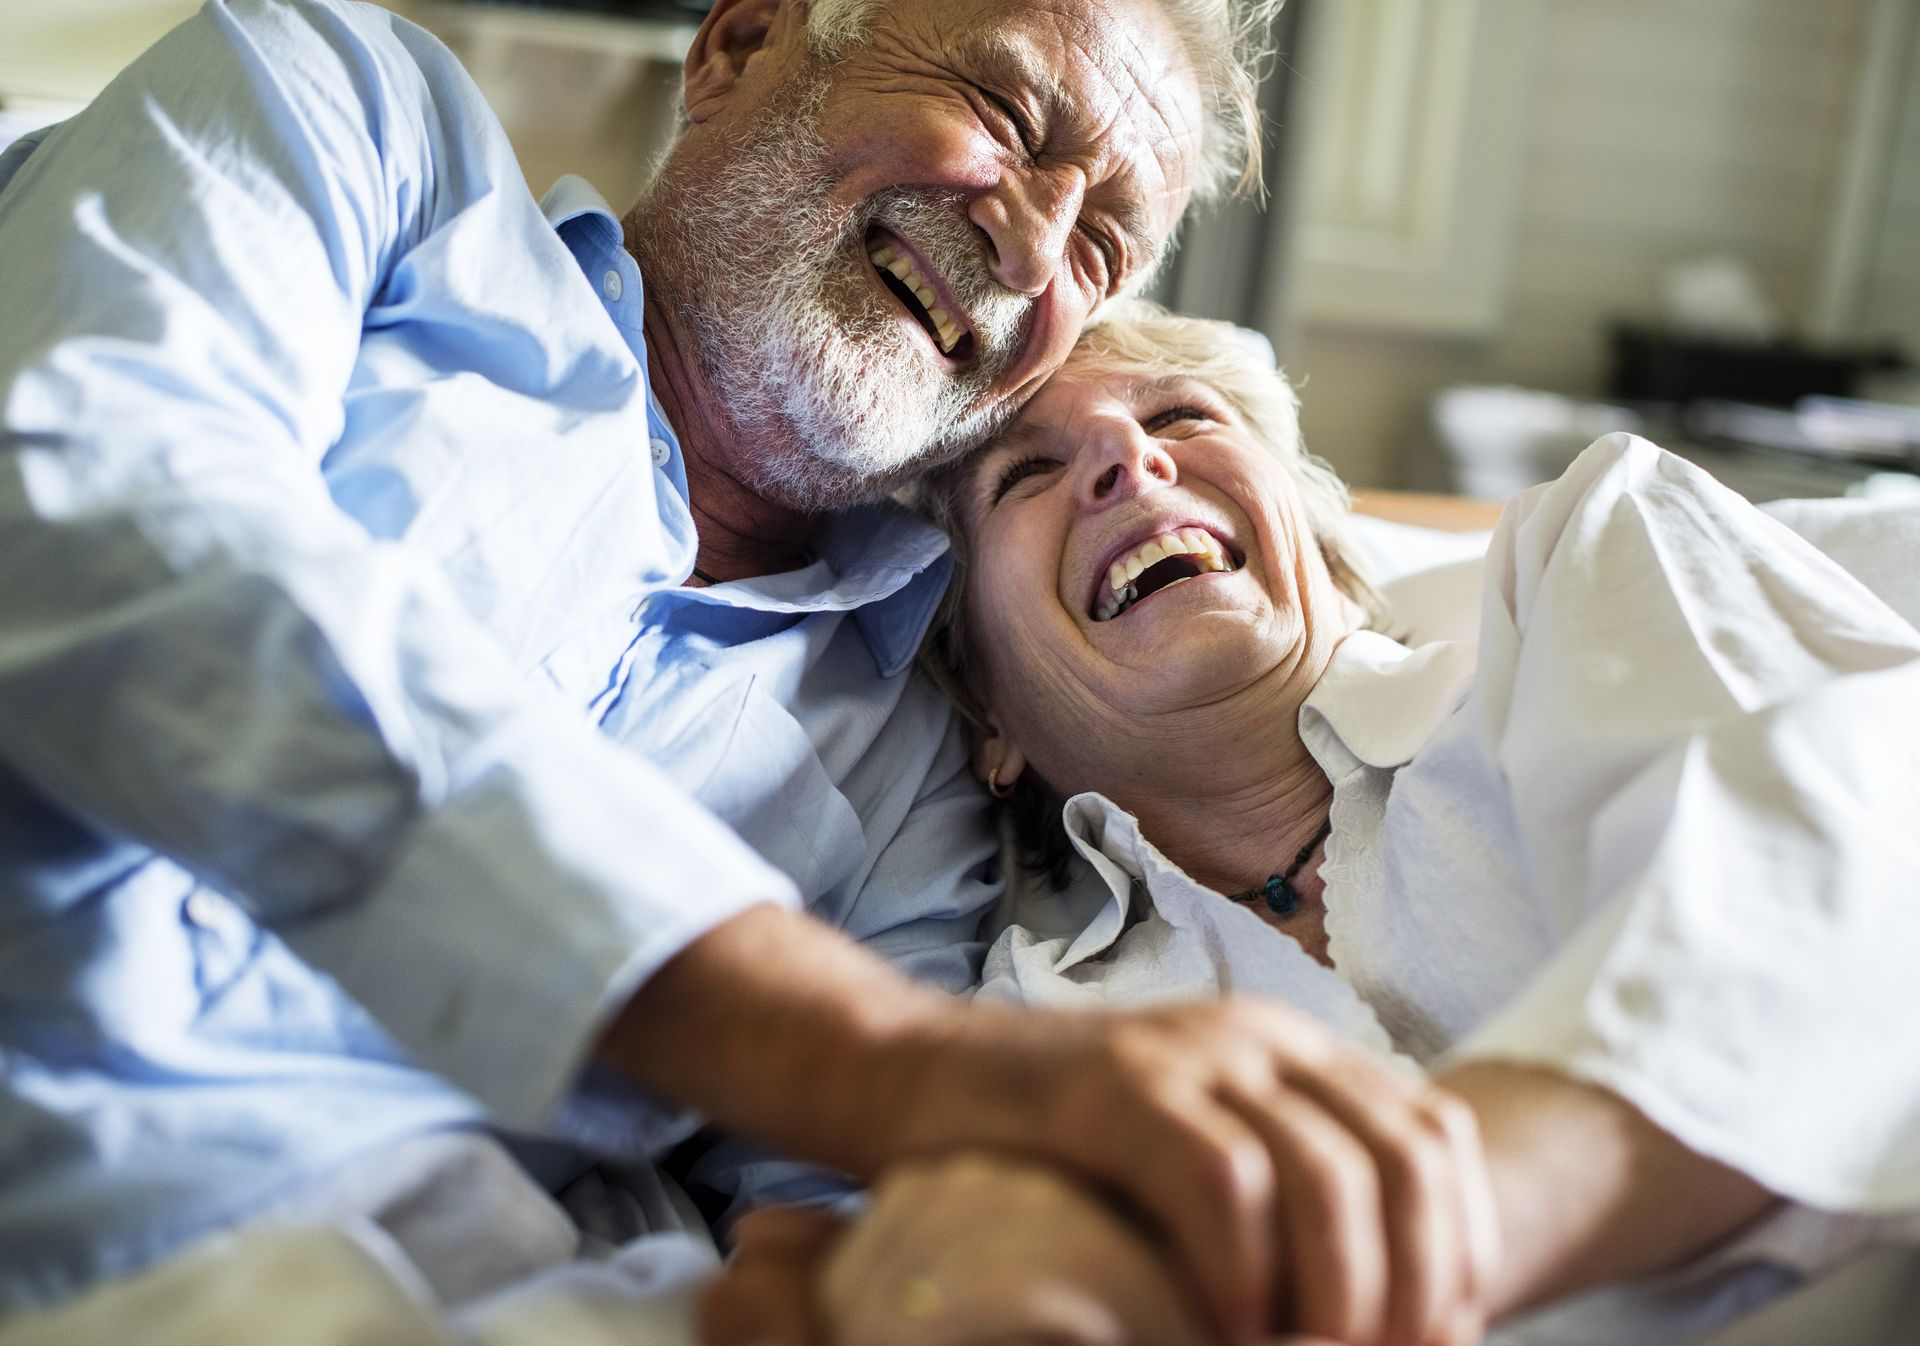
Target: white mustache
936,224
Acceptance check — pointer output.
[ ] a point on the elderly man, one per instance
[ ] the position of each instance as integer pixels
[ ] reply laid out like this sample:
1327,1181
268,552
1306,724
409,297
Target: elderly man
443,638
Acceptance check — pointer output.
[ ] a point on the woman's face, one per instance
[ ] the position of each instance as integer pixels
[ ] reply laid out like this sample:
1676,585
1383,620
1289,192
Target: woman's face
1139,562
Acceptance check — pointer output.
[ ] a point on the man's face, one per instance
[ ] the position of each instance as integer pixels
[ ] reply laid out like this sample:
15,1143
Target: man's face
885,255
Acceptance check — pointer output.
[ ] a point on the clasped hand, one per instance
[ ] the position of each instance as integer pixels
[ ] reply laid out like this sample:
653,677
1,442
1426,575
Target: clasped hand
1199,1172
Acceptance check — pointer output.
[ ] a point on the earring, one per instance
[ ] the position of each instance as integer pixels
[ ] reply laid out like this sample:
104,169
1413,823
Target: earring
994,787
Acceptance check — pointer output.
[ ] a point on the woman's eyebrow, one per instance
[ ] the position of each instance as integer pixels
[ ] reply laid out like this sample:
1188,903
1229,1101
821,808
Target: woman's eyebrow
1019,437
1142,389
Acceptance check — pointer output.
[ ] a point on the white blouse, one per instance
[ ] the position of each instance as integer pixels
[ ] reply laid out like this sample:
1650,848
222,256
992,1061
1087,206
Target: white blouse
1659,830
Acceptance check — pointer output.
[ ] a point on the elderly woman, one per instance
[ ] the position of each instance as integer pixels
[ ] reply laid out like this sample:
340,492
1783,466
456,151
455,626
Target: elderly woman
1638,874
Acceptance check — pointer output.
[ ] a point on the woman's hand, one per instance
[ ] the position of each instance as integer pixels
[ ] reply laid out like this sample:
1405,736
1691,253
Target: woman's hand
981,1251
767,1295
1299,1181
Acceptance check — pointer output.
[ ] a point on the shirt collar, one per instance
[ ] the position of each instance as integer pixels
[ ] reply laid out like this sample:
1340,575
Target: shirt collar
902,561
591,231
572,205
1381,701
886,565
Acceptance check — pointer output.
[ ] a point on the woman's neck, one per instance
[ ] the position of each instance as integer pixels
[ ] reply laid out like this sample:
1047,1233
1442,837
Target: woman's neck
1231,793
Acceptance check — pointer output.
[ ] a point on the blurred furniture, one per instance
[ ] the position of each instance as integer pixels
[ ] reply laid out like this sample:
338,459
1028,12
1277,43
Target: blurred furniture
1490,443
1448,513
586,91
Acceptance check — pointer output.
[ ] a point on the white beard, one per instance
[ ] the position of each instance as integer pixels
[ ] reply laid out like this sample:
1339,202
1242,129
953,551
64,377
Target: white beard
829,400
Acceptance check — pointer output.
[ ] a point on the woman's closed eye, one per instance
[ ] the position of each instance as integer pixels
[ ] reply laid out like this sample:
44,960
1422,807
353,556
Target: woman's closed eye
1019,470
1182,417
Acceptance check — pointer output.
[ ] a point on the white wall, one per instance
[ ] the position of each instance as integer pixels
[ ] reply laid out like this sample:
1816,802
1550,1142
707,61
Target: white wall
1892,308
64,51
1660,129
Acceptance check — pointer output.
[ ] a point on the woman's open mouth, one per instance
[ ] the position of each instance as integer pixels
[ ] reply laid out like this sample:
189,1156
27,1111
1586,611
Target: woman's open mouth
1159,563
920,294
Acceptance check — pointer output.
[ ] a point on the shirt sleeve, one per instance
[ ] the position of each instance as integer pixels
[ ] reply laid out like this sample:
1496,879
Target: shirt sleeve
1710,736
200,652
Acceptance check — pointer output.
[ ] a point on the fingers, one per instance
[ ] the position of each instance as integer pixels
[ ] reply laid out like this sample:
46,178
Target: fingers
1434,1210
1481,1211
1332,1273
1206,1178
1371,1201
766,1295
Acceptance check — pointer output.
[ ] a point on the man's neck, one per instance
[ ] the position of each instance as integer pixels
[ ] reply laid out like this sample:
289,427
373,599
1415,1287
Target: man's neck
742,533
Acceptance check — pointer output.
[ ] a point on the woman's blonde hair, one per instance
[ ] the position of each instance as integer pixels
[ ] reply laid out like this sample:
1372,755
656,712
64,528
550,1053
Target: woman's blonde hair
1137,334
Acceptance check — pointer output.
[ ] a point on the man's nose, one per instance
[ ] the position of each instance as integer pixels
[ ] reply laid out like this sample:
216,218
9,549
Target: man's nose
1028,218
1122,462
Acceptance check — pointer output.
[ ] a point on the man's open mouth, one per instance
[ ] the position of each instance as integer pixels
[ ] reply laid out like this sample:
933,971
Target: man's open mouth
902,272
1158,563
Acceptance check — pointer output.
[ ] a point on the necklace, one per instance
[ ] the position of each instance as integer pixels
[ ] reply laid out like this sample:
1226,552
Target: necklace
1278,890
703,576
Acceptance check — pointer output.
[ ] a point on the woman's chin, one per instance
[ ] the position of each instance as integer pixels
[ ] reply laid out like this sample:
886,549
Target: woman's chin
1183,660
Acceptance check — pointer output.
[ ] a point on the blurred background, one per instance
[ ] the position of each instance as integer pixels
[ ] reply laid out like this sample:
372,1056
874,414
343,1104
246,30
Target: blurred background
1493,228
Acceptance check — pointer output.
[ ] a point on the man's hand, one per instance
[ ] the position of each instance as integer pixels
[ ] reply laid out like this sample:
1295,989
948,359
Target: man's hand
1300,1181
1297,1180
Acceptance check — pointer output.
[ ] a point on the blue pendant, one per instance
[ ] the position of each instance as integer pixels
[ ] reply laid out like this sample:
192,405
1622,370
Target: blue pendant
1281,899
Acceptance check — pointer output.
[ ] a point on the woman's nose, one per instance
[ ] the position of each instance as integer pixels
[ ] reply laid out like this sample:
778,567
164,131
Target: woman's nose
1124,462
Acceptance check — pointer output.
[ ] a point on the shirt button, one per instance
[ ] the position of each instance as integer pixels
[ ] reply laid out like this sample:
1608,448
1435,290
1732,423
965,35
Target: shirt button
205,910
661,453
610,285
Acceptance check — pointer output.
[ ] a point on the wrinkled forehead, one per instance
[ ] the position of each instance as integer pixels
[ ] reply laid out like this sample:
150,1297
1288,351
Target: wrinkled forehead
1114,83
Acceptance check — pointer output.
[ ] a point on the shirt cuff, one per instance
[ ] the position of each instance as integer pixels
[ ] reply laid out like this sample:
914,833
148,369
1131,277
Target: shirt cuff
525,909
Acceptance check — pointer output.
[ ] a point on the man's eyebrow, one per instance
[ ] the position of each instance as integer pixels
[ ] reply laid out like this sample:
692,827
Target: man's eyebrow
1003,57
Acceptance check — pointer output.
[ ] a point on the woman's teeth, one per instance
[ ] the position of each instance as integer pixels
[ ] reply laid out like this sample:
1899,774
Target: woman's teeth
900,266
1121,591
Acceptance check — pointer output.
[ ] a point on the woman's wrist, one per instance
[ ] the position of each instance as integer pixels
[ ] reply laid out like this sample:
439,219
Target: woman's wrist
1587,1189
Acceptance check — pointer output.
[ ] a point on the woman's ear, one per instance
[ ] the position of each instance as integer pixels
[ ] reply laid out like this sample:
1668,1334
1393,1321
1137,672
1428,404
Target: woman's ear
732,34
996,761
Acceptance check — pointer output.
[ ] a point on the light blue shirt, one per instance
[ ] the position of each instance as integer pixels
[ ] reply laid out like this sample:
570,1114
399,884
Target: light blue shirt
336,523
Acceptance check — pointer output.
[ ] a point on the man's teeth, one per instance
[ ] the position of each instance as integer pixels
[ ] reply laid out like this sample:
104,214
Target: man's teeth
900,266
1119,592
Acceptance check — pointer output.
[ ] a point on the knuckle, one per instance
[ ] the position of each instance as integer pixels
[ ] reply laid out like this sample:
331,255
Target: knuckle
1338,1181
1414,1155
1450,1115
1234,1174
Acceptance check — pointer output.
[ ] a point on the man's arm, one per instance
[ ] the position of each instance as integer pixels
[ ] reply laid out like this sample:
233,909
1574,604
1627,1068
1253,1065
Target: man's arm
201,653
917,902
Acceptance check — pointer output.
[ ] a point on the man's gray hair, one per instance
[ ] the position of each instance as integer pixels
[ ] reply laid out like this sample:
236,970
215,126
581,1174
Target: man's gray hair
1227,41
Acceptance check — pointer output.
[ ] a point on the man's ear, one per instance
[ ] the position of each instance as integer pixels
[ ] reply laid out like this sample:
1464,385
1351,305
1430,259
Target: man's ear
995,760
733,33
